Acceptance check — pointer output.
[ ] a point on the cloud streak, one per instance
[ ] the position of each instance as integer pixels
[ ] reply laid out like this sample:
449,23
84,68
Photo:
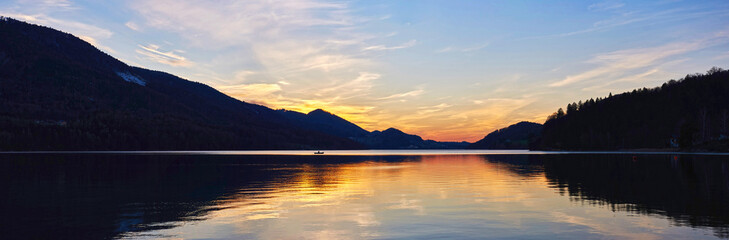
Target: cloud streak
623,18
412,93
612,63
359,85
433,109
153,53
462,49
228,23
49,5
132,26
408,44
605,6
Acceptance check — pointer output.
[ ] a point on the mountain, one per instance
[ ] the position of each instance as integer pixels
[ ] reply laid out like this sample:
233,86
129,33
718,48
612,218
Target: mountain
58,92
691,113
517,136
323,121
391,138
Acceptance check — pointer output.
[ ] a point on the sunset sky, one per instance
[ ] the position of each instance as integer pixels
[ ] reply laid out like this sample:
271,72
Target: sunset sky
445,70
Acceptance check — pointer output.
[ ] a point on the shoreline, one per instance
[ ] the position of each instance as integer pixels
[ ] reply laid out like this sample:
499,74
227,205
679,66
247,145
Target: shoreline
378,152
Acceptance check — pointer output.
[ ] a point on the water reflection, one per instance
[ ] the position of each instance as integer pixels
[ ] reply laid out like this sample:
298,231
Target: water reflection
690,190
360,197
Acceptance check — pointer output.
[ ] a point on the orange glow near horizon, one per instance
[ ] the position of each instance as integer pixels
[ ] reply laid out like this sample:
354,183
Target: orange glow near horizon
457,123
452,76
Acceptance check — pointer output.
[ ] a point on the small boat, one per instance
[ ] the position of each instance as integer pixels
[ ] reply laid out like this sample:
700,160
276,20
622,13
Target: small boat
318,152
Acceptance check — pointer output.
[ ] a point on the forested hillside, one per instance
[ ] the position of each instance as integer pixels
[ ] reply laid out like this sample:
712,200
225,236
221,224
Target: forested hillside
58,92
518,136
690,113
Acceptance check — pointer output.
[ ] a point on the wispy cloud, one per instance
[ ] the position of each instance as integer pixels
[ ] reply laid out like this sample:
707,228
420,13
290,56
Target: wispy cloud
357,87
636,77
617,62
132,26
624,18
606,5
153,53
462,49
48,5
229,23
412,93
242,76
348,40
616,21
273,35
432,109
408,44
306,54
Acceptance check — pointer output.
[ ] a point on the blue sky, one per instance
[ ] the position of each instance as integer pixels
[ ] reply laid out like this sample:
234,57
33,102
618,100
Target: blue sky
445,70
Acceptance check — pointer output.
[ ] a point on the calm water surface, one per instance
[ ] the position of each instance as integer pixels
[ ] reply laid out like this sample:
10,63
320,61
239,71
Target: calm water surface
351,196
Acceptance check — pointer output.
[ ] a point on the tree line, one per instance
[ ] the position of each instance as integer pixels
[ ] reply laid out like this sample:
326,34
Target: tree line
689,113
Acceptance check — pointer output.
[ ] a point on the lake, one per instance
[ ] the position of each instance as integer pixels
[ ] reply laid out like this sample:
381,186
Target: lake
364,195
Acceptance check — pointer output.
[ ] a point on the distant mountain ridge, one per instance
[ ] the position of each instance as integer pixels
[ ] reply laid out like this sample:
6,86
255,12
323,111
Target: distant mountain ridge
517,136
58,92
324,121
320,120
392,138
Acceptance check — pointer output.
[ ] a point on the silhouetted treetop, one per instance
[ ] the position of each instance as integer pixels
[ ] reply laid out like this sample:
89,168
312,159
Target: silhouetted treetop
687,113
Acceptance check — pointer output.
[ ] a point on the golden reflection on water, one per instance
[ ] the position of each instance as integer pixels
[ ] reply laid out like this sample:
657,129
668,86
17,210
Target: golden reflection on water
435,196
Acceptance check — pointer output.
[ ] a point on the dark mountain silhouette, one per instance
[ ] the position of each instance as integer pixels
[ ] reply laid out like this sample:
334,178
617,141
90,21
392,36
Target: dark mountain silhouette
391,138
517,136
58,92
61,93
323,121
691,113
